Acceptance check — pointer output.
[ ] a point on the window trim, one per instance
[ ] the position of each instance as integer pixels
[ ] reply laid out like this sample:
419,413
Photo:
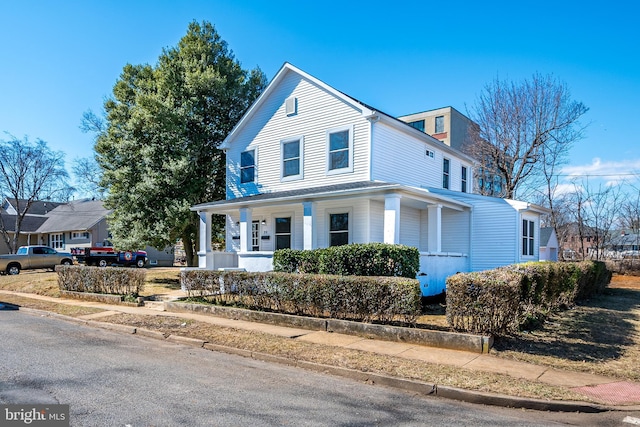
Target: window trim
349,168
338,211
446,175
300,174
255,165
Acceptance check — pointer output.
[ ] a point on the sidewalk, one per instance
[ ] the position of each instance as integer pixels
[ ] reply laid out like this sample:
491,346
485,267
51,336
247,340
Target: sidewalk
617,394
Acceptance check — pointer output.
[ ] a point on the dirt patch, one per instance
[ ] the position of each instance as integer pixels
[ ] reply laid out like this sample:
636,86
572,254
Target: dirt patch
625,282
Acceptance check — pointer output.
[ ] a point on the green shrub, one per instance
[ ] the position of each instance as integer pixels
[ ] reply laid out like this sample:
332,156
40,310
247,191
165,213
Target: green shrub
358,298
359,259
521,295
100,280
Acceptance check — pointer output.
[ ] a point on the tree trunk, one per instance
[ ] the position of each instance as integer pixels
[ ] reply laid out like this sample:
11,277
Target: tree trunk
190,250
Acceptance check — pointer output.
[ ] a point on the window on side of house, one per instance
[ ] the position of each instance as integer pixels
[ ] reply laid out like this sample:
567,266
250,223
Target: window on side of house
445,173
247,166
463,186
439,126
56,240
292,158
338,229
283,233
418,124
528,237
340,147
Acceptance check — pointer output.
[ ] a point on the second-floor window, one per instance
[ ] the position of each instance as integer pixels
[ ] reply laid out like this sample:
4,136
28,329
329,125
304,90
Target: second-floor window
339,150
292,158
445,173
463,186
247,166
528,228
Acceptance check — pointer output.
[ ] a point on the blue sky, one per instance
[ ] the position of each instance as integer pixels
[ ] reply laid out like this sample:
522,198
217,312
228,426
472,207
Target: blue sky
59,59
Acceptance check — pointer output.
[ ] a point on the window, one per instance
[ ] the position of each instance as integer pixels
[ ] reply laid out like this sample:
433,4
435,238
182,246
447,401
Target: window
445,173
464,179
247,166
76,235
528,237
439,124
56,240
418,124
339,156
283,233
338,229
429,153
292,158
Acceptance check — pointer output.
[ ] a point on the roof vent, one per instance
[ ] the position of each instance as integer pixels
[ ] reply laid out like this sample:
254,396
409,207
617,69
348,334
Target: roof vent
291,106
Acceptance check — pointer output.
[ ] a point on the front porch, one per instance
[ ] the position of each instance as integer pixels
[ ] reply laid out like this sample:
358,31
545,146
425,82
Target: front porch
437,226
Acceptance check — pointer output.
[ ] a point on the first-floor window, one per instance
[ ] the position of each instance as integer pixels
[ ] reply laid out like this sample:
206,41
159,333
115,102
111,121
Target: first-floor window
56,241
283,233
338,229
528,228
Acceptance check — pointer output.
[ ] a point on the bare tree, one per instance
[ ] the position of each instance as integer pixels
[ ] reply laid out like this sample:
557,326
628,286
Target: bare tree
88,175
29,171
521,127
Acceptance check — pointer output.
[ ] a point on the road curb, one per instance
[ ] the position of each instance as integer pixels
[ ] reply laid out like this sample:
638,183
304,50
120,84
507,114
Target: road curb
408,385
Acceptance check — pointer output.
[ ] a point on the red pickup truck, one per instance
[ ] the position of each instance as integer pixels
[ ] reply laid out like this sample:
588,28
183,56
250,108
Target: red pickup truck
104,256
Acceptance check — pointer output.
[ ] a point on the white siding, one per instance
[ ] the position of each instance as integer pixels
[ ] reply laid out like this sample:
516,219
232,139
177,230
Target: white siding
400,158
455,231
318,111
376,233
409,226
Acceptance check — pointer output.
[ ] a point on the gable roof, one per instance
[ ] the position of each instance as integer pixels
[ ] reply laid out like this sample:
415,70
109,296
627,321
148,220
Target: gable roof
366,110
38,207
545,235
80,215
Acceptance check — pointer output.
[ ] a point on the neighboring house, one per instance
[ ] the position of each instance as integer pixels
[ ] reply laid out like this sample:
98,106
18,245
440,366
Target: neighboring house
71,227
623,243
310,167
578,242
35,217
548,244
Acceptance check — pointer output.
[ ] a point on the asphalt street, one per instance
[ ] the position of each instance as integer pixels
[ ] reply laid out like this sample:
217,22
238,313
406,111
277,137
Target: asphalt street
113,379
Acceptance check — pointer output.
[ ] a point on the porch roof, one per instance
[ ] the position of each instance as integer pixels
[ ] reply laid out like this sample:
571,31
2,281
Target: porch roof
362,188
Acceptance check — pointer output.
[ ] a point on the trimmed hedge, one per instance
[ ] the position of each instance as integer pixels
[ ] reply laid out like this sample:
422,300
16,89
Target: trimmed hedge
358,259
510,298
365,299
101,280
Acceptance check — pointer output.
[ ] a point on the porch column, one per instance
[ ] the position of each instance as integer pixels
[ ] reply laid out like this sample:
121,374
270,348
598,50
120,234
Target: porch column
434,227
392,218
245,230
308,226
205,254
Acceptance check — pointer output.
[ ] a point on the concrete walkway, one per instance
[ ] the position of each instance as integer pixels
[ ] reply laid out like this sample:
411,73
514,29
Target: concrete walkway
610,391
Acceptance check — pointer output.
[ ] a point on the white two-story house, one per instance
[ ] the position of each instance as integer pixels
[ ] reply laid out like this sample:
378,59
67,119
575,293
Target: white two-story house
309,167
